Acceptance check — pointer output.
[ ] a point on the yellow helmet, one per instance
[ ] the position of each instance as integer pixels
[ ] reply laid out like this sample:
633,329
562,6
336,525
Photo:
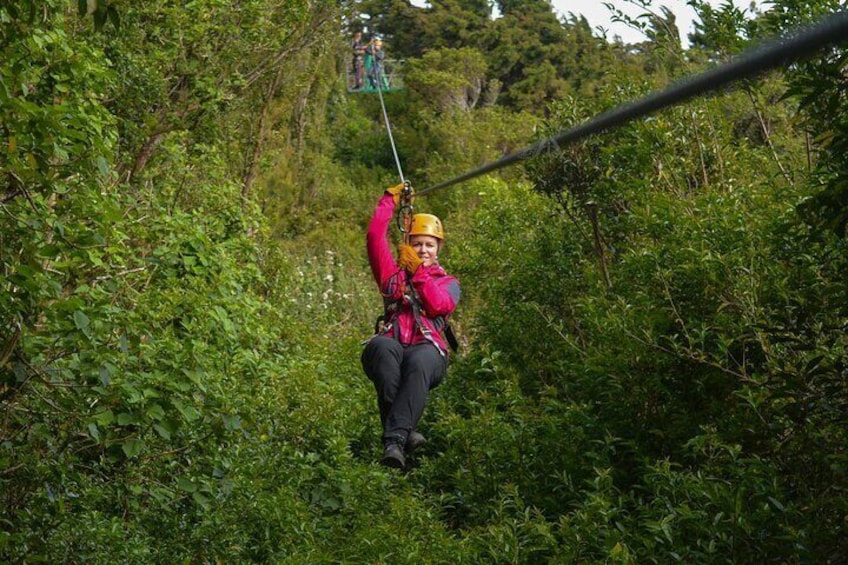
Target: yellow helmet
427,224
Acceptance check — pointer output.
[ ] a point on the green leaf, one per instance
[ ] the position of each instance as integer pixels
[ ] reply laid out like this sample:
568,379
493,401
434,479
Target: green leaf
232,423
186,485
777,504
162,430
155,412
104,418
70,304
102,165
132,447
133,395
105,376
49,251
195,376
81,321
201,500
126,419
188,412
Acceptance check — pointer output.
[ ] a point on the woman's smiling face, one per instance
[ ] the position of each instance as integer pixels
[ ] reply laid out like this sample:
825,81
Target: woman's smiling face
427,248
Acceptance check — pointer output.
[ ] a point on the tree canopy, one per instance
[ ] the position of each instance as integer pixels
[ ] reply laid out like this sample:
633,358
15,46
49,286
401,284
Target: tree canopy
653,320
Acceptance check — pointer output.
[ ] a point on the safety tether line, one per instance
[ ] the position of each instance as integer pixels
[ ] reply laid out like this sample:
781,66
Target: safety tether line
379,76
831,30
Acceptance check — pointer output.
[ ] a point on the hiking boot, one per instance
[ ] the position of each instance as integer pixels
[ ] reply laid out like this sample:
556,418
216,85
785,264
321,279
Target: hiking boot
414,441
393,456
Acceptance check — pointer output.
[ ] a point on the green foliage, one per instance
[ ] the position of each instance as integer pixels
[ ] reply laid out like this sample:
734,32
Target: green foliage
186,74
818,87
653,320
531,57
723,30
691,343
536,57
447,79
413,31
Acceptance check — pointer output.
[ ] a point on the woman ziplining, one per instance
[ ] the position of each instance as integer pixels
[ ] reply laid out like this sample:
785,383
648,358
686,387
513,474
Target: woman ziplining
408,356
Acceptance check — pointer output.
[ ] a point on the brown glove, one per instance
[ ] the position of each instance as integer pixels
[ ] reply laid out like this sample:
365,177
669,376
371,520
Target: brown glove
408,259
397,193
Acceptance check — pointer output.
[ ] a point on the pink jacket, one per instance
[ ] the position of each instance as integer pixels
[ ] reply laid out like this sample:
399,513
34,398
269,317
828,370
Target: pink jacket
437,291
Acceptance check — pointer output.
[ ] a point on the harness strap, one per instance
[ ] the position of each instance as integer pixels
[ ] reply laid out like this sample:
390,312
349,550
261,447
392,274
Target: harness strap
384,323
416,312
450,337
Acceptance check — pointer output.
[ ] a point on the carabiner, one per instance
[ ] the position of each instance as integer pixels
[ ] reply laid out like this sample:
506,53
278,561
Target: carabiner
404,217
404,220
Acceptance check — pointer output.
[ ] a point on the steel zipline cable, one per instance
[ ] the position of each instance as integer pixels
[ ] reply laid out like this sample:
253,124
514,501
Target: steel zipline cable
378,75
404,216
830,31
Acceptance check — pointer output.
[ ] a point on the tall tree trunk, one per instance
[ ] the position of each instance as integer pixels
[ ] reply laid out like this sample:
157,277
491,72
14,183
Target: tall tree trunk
144,154
767,134
300,117
592,210
705,177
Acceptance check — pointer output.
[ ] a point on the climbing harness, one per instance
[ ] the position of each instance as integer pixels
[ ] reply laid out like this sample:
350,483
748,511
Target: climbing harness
384,323
832,30
426,224
415,302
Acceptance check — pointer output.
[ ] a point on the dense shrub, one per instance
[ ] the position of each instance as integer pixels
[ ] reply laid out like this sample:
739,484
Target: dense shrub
653,320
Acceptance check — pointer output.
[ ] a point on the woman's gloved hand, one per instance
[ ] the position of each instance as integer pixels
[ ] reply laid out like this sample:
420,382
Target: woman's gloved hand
397,193
408,259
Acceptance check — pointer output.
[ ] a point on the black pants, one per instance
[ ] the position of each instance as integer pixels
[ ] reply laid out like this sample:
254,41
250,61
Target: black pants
403,377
